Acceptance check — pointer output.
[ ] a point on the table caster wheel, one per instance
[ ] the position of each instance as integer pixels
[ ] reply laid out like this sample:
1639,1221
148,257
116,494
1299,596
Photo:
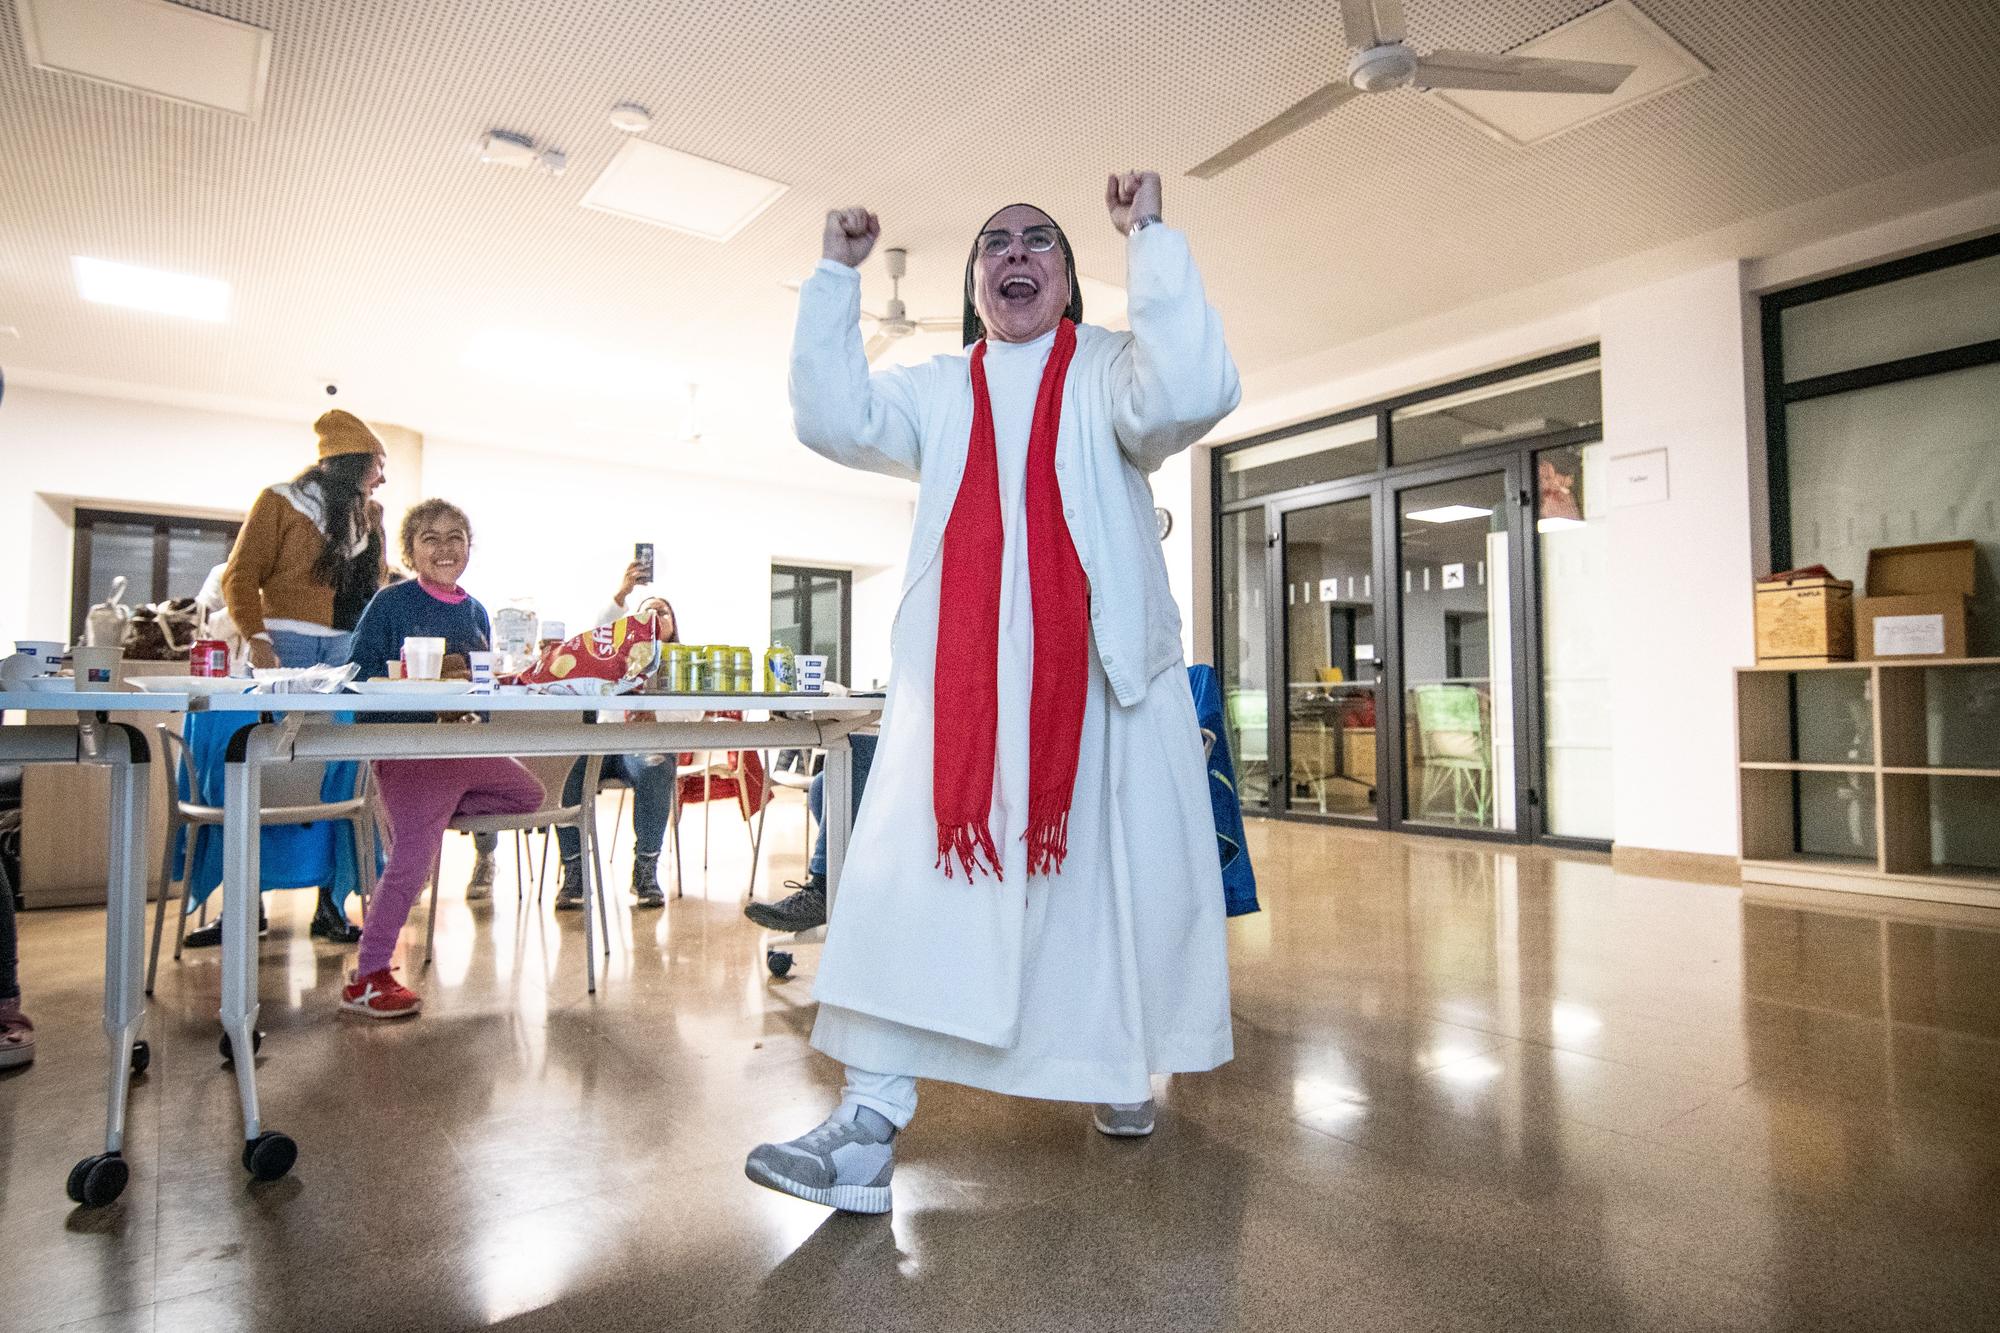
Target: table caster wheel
269,1155
142,1058
96,1181
229,1051
778,961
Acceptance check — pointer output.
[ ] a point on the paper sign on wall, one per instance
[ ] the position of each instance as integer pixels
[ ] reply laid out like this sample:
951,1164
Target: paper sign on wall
1453,576
1329,590
1909,636
1639,479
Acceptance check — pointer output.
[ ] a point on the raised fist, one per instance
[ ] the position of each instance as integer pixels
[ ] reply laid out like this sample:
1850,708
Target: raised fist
851,233
1132,194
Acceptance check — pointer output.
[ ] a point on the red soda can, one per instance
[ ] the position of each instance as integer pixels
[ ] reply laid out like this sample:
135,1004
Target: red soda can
208,657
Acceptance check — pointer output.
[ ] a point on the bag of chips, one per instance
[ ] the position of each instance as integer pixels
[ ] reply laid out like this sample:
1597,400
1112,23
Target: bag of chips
610,659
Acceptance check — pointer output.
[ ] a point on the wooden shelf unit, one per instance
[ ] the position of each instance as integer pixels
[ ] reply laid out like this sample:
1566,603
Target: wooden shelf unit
1892,751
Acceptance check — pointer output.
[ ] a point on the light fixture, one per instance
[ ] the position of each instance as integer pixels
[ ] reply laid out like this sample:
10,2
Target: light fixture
1449,514
631,118
107,283
680,191
504,148
1559,524
152,46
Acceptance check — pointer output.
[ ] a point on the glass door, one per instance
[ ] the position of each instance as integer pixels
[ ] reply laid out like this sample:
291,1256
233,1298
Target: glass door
1457,571
1245,651
1331,656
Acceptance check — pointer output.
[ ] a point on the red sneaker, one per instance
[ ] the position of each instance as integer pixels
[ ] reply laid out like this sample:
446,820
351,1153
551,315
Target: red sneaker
379,995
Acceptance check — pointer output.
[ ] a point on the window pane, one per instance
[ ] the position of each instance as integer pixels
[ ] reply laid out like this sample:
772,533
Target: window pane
787,630
1896,465
826,626
191,553
1327,454
1518,409
1245,694
119,548
1459,744
1330,654
1573,534
1929,312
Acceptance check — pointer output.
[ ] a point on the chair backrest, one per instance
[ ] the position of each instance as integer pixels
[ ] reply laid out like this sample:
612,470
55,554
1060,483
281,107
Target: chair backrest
284,784
552,771
1450,722
1249,714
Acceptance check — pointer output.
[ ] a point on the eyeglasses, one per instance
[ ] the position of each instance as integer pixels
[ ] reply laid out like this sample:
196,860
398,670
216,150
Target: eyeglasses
1039,240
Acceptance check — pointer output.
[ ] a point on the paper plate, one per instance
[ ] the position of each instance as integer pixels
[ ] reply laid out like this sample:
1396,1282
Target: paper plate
199,687
410,686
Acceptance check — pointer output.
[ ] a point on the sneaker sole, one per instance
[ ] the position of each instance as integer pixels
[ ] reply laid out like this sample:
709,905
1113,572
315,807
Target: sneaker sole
379,1014
1120,1131
14,1059
787,925
845,1198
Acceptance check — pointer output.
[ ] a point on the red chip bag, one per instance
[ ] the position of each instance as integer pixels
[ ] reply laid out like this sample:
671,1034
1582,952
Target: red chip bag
628,649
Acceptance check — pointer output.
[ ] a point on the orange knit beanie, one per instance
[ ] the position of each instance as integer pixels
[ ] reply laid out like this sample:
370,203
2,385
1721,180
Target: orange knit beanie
343,433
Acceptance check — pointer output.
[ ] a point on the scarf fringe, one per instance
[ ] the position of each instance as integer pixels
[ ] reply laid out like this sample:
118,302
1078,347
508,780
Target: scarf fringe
1048,842
971,845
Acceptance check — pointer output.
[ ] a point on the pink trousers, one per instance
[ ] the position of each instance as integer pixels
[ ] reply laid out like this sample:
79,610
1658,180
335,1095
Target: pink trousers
422,796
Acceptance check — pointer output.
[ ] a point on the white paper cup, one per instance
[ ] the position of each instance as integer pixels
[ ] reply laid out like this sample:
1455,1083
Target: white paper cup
97,668
423,657
812,673
48,654
482,671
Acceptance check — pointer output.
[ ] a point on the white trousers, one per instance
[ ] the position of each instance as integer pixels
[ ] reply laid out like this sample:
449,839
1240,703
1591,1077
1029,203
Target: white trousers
892,1096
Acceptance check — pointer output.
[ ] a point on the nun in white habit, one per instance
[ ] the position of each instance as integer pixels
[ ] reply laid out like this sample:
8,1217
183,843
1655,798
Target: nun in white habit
1031,901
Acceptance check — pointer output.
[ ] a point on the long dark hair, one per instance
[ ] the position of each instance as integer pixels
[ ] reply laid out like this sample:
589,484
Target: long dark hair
347,511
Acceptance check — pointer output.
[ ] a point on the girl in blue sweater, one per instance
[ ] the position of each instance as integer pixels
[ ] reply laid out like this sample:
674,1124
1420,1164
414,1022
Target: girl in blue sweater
423,795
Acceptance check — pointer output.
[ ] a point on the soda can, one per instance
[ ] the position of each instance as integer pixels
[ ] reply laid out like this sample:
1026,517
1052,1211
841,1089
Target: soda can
742,671
781,671
208,658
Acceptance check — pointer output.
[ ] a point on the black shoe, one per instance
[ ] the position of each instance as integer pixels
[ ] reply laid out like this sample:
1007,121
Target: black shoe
804,909
330,923
210,935
569,898
646,882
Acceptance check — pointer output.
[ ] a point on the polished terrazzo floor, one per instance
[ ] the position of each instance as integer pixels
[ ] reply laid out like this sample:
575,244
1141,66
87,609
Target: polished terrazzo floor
1475,1088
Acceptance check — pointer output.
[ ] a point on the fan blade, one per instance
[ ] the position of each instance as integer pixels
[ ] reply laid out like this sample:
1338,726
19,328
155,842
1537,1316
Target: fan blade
1517,74
1296,117
1371,22
866,313
941,325
876,346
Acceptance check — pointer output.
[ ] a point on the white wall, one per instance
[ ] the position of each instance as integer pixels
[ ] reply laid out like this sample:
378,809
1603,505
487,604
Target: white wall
561,530
1682,373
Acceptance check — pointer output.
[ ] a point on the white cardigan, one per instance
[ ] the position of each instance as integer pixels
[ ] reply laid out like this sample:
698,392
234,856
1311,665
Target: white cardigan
1131,401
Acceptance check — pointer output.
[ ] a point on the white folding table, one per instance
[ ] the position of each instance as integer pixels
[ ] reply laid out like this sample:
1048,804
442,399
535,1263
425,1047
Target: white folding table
120,747
297,727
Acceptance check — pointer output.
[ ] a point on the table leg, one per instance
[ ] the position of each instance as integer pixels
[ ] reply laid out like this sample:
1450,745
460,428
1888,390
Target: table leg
266,1155
96,1181
836,811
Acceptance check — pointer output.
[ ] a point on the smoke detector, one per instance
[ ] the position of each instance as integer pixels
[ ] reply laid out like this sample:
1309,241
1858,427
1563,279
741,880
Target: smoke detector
631,118
504,148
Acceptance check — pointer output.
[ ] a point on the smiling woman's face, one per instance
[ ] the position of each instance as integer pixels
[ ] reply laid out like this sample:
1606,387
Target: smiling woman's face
1020,294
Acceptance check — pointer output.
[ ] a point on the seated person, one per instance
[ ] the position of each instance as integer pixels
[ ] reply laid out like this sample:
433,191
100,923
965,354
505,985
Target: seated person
422,796
651,776
805,907
17,1034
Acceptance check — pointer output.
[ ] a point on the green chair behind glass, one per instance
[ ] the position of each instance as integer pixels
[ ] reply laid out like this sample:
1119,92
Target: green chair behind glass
1456,752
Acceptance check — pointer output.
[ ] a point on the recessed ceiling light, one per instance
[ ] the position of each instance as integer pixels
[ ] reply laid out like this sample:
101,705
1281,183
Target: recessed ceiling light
107,283
679,191
1449,514
151,46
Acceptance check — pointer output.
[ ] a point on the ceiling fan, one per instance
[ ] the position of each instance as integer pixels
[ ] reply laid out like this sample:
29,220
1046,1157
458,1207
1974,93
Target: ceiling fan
896,323
1383,62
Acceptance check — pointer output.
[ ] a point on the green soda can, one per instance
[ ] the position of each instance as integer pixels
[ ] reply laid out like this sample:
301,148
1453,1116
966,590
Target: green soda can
742,671
781,670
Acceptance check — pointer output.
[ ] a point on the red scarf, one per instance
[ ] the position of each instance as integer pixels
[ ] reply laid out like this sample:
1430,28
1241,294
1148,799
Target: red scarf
967,690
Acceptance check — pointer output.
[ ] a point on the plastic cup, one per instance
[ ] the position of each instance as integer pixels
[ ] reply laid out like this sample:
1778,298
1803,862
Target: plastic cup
812,673
481,665
395,670
97,668
423,657
48,654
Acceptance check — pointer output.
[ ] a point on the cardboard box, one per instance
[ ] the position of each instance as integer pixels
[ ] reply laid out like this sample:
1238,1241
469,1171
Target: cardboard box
1805,620
1917,601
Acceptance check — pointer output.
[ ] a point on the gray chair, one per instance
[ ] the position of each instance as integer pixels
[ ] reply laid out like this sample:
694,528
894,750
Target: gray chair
291,796
552,770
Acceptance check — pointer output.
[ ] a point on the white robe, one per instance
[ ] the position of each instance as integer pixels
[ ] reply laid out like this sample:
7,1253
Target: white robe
1074,987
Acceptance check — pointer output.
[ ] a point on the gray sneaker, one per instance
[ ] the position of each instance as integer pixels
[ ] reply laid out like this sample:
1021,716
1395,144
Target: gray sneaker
845,1163
480,887
1123,1122
569,897
802,910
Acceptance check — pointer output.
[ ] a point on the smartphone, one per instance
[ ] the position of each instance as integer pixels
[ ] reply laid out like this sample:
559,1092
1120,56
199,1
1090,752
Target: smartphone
642,554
